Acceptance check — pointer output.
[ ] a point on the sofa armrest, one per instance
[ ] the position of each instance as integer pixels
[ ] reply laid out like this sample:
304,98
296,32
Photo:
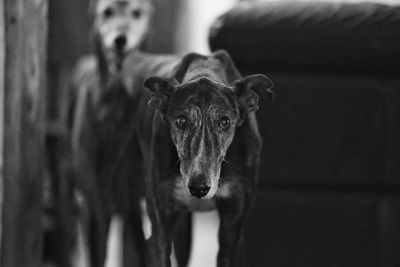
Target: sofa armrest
322,36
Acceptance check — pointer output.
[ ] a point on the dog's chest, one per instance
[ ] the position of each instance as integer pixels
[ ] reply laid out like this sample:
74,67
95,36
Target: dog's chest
199,204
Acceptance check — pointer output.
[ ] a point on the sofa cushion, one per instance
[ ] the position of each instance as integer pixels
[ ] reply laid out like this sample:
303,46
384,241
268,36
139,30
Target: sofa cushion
322,36
322,228
330,130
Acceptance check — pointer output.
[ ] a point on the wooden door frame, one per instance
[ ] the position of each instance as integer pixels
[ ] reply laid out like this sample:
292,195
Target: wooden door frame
23,70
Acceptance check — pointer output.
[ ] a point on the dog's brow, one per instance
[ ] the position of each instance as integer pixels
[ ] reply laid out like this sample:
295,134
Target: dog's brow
193,100
228,101
123,4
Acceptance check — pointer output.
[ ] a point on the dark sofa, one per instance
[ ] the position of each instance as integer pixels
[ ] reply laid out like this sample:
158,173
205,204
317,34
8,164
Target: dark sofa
329,191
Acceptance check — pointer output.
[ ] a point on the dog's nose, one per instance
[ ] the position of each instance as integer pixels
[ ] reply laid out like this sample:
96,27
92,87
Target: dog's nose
199,186
199,191
120,41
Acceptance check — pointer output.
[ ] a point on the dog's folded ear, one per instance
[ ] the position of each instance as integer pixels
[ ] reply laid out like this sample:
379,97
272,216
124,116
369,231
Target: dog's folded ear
162,89
250,88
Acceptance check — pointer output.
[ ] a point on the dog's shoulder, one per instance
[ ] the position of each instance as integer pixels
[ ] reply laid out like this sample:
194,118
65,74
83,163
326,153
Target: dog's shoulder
85,77
84,81
86,70
138,66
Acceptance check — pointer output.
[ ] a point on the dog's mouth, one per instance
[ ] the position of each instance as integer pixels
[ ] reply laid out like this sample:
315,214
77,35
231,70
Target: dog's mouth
122,46
201,186
183,196
200,177
120,43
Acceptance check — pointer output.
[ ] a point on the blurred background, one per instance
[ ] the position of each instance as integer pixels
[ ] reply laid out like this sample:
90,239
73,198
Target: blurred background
330,178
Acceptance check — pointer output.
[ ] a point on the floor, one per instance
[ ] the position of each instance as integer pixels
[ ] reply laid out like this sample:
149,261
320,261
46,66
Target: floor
205,241
204,247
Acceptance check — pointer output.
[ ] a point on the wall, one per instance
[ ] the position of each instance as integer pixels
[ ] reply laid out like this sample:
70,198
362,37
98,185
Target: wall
2,62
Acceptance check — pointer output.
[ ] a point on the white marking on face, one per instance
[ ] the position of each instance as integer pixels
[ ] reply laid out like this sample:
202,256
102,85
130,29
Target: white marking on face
197,168
130,19
214,187
180,190
225,190
198,159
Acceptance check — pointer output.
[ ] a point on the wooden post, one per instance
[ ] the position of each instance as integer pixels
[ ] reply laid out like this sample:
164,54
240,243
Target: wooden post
24,24
2,63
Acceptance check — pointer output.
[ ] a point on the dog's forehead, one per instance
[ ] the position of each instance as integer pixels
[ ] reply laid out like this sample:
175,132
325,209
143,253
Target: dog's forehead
103,4
205,93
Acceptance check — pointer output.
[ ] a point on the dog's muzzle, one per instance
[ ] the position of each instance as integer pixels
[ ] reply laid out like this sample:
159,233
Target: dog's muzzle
199,185
120,42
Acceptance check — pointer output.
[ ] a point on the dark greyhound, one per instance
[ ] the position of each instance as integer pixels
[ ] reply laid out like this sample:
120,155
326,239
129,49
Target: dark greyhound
199,145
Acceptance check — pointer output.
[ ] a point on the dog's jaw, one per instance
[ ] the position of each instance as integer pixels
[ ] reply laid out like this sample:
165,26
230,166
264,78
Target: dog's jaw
190,171
213,189
224,190
183,198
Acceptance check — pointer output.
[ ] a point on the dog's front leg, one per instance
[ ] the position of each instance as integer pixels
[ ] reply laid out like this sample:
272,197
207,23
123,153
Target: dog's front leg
159,244
97,231
182,239
158,251
232,213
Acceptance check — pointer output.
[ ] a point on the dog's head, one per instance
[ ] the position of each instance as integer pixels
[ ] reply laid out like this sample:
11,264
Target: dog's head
121,25
203,115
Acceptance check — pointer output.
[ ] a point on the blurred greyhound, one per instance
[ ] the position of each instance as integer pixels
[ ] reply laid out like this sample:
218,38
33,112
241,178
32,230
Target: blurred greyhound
199,145
100,127
119,27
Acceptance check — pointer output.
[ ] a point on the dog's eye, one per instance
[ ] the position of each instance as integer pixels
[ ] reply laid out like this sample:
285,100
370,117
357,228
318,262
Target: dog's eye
224,123
108,13
182,121
136,13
